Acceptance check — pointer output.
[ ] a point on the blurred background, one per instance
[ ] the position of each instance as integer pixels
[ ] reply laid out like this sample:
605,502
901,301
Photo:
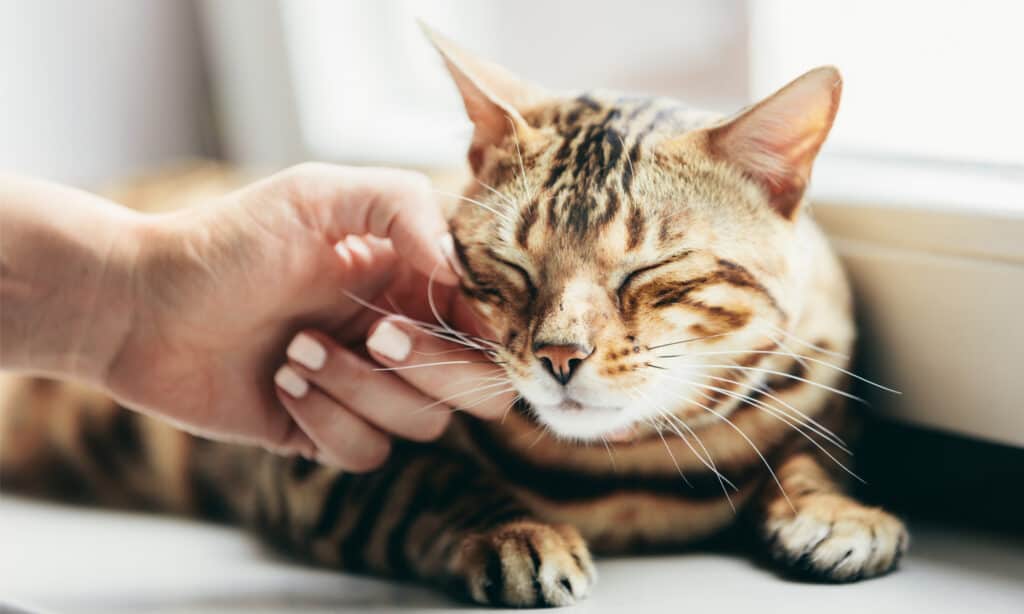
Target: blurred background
96,89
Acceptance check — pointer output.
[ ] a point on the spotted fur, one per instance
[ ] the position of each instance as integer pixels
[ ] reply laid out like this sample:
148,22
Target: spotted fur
672,246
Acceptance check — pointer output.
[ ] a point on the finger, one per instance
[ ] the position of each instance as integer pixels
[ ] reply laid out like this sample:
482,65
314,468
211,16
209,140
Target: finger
467,379
382,399
342,439
388,203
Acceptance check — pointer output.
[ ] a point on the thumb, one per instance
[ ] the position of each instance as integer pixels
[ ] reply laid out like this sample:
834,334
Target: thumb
388,203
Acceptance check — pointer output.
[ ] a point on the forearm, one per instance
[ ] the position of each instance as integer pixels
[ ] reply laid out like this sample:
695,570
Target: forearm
66,279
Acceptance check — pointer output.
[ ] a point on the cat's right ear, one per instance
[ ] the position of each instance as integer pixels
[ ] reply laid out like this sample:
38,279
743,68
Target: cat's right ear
493,96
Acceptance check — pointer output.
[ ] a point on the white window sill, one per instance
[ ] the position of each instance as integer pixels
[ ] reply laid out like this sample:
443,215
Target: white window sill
936,257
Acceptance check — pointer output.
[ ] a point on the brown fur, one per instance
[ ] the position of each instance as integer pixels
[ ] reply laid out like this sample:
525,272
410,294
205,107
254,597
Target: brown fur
631,226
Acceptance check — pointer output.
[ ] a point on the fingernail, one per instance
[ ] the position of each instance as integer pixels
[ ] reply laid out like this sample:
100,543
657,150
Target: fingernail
307,351
291,382
390,341
447,244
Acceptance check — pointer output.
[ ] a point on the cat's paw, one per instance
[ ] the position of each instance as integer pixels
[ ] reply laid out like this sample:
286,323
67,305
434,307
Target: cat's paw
834,538
524,564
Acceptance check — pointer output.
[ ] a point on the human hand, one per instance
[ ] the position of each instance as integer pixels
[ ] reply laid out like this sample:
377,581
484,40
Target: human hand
220,291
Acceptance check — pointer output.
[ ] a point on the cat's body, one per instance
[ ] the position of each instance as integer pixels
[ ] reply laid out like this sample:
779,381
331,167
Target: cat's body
703,315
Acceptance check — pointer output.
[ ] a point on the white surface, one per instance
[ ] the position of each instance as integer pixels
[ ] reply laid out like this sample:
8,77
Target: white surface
62,559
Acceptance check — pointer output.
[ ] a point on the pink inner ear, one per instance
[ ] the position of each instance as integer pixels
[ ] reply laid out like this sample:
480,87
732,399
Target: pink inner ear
775,142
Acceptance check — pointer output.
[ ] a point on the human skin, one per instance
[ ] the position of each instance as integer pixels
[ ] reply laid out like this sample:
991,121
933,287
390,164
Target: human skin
189,315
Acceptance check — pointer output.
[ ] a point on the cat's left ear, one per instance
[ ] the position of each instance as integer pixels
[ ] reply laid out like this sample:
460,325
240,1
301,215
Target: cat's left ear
776,141
494,97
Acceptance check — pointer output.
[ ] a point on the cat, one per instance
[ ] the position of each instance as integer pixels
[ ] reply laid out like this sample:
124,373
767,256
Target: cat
676,325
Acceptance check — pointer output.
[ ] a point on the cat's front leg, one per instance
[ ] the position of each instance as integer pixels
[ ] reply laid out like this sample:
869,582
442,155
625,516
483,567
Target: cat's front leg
428,514
817,531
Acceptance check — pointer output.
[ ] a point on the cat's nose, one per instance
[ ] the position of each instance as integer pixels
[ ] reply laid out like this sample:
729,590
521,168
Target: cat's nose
562,361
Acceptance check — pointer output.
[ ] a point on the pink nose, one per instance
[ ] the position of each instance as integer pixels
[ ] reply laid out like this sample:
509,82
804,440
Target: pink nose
562,361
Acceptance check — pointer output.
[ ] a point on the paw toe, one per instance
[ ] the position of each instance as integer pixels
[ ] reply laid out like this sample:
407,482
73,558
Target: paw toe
525,564
837,540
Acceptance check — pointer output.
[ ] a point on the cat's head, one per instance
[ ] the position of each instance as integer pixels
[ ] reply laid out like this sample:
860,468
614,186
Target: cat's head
620,246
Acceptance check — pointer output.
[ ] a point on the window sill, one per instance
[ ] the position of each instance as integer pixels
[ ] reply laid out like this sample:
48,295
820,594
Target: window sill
936,257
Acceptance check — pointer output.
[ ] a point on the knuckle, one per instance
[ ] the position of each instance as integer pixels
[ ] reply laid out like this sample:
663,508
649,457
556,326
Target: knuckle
344,374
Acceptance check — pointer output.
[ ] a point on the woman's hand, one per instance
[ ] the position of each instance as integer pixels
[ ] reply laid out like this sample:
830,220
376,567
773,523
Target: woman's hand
222,290
187,315
409,384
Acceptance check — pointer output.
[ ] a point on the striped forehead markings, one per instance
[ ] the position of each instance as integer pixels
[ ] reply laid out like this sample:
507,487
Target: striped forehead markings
598,140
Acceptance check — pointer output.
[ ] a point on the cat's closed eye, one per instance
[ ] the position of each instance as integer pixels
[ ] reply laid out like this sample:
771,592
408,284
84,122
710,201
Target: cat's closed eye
633,275
521,272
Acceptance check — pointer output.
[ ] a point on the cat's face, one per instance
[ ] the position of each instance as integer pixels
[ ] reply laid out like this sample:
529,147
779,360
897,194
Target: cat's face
625,251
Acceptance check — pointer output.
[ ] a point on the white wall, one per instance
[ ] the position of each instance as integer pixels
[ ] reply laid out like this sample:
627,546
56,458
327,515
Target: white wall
923,79
92,90
369,88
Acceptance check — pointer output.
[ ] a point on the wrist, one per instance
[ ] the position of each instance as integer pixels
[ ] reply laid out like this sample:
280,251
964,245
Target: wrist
126,319
66,287
108,305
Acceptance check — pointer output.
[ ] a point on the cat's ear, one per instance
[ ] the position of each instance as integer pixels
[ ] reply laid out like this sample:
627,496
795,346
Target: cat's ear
776,141
493,96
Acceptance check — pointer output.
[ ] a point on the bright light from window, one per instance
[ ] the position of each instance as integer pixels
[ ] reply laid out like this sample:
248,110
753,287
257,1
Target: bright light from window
923,79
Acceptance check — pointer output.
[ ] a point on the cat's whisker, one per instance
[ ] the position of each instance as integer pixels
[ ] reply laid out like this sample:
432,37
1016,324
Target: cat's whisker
394,305
837,440
500,194
473,201
690,340
800,358
709,463
804,420
426,327
817,426
767,390
441,353
784,374
519,152
444,401
461,340
508,409
749,400
773,353
442,363
753,446
611,457
734,427
448,330
785,419
625,150
479,402
543,431
437,314
722,480
791,420
664,442
804,343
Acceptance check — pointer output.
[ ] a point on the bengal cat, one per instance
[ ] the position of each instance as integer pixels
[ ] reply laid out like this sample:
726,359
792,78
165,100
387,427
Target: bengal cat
675,323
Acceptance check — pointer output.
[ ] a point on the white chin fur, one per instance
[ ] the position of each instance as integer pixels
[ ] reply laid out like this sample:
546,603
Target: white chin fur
589,423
